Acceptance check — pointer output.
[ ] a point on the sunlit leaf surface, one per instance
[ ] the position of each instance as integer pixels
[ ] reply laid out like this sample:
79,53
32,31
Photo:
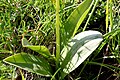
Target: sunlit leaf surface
78,49
30,63
40,49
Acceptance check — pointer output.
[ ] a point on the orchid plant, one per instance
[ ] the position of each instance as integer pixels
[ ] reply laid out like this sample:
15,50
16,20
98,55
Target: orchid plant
71,49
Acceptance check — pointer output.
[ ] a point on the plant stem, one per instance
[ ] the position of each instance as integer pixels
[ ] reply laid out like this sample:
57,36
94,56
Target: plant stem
111,17
107,15
57,33
96,1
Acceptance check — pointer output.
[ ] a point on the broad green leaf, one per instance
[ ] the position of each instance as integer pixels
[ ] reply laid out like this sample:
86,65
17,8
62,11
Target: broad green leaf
78,49
30,63
5,51
76,18
40,49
